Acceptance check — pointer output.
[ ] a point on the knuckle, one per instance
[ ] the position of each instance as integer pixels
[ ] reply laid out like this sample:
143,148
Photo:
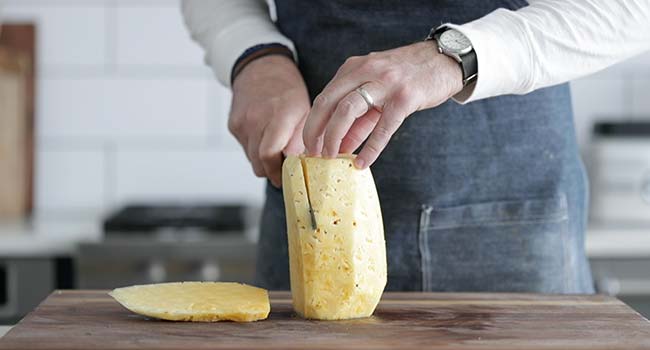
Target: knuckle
346,107
351,60
390,76
373,63
320,100
232,126
257,169
373,148
403,94
382,132
331,136
235,125
354,137
368,64
265,155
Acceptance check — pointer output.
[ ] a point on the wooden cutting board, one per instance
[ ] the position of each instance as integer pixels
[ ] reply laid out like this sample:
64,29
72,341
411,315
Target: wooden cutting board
92,320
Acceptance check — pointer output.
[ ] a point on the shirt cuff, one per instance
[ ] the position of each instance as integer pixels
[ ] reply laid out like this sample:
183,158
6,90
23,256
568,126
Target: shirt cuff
233,42
501,56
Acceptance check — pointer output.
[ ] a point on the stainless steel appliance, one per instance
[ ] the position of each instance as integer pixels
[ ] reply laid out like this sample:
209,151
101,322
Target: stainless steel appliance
152,243
123,261
619,169
627,278
620,173
23,284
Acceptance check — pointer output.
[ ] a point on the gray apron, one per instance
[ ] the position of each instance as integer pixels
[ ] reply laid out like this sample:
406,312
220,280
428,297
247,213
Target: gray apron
488,196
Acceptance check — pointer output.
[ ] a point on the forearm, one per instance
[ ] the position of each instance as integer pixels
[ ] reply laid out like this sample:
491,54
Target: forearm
226,28
553,41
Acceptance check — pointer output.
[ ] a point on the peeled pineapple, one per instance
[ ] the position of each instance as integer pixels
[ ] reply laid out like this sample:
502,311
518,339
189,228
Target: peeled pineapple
338,270
196,301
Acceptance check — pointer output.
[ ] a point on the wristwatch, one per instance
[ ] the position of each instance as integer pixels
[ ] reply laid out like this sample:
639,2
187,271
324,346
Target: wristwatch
456,45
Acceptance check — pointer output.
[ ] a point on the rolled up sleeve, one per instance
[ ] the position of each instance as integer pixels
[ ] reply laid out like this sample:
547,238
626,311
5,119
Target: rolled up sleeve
226,28
552,41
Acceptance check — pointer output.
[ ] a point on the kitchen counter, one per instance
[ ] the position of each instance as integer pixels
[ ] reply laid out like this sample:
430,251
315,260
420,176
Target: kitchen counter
611,242
4,330
47,237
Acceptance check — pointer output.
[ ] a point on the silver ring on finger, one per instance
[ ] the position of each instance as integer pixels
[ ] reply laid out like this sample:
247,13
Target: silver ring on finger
366,97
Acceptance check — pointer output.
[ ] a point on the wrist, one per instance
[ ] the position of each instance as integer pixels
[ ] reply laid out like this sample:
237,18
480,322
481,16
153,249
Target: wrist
455,44
256,52
454,74
446,68
275,67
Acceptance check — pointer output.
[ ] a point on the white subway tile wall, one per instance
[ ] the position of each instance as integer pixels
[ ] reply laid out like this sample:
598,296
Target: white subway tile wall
149,35
190,174
68,35
596,98
127,111
70,179
616,93
108,108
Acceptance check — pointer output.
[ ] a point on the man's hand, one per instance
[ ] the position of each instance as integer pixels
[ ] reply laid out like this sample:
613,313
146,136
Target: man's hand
400,81
269,106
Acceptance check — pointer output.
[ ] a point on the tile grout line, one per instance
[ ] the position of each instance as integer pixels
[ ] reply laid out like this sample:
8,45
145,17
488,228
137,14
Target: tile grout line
123,71
110,28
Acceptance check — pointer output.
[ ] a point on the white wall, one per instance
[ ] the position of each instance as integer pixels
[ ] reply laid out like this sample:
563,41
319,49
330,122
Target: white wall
619,92
127,110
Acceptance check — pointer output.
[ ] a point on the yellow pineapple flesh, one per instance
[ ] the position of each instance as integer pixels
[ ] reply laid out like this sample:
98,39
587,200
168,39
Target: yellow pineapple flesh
338,270
196,301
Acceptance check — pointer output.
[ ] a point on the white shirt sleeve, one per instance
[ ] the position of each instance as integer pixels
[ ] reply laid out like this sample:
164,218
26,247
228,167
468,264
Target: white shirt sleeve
551,42
226,28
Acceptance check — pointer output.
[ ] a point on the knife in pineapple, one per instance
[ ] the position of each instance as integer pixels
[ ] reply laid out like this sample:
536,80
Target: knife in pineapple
311,209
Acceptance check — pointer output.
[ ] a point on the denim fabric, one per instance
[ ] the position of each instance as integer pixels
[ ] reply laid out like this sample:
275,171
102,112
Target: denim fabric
489,196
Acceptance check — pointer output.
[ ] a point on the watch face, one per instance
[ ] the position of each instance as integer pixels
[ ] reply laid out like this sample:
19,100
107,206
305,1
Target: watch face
455,41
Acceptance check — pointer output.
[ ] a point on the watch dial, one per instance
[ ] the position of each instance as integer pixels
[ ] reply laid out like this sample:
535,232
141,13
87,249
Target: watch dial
455,41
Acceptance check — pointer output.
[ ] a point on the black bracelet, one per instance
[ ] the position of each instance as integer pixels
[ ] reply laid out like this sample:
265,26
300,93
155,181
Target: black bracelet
255,52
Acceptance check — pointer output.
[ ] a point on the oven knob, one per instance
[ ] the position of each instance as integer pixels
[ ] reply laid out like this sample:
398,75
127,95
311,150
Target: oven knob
210,271
156,271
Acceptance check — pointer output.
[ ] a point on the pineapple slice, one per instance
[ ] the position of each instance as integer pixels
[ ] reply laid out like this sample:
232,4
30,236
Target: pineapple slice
196,301
338,270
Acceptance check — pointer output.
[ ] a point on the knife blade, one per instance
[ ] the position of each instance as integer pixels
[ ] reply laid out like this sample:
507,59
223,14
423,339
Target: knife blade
312,216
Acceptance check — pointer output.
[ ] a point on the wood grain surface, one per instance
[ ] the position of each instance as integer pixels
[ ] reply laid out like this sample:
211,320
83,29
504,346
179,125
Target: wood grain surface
92,320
